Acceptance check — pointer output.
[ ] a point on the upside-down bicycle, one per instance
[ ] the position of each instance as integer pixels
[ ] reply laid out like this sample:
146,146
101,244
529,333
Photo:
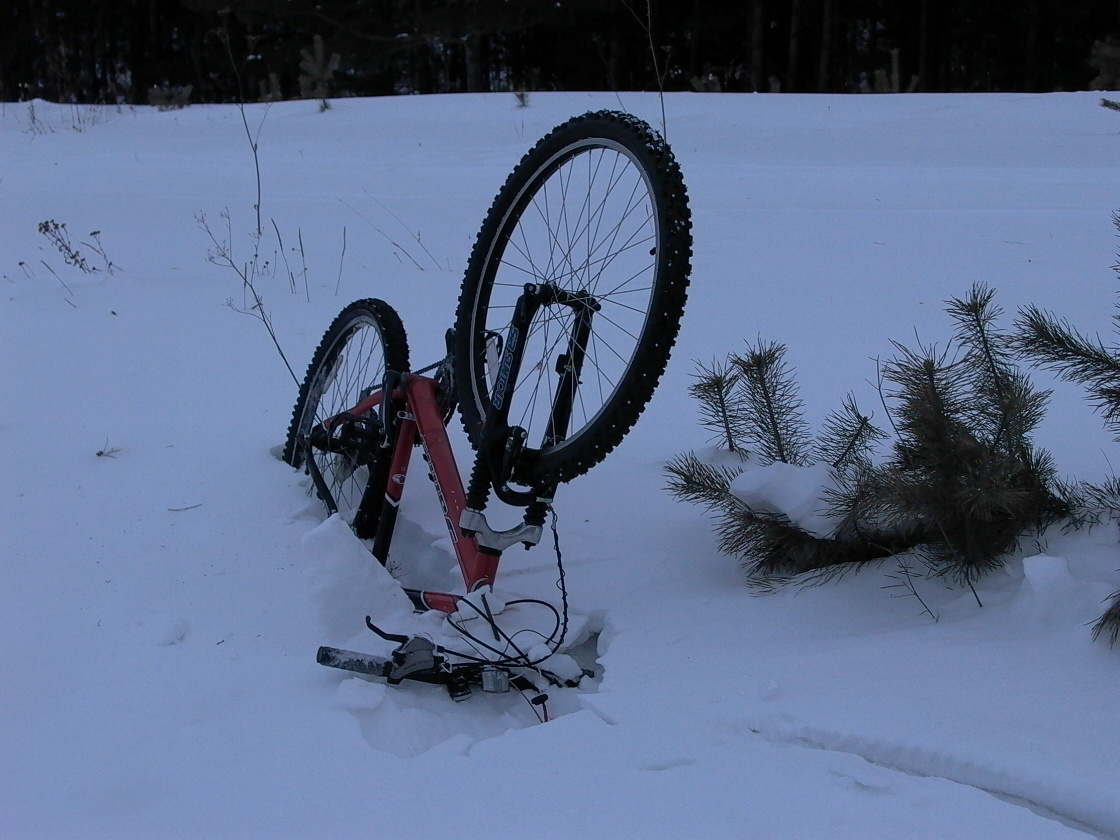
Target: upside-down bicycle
569,308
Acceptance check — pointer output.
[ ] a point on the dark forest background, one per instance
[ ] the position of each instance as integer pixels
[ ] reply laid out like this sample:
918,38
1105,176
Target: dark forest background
141,51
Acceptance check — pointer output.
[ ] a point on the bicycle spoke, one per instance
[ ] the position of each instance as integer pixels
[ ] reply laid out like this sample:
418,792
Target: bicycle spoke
599,247
594,220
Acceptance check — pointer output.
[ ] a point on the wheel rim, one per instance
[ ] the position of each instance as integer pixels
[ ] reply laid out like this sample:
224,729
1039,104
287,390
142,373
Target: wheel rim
587,224
354,368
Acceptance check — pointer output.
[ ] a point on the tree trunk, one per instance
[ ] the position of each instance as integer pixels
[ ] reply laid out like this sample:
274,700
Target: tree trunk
613,49
794,44
1030,48
759,19
824,66
139,66
475,80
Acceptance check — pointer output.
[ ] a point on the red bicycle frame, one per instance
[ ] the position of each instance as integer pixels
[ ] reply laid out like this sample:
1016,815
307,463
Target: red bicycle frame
420,418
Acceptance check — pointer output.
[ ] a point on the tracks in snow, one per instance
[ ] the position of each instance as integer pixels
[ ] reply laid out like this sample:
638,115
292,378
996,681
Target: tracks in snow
1080,809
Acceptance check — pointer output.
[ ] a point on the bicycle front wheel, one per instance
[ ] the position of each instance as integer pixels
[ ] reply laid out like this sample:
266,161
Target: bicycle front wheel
366,339
594,225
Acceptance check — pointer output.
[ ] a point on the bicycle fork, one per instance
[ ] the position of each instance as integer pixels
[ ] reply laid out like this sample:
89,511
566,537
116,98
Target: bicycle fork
502,446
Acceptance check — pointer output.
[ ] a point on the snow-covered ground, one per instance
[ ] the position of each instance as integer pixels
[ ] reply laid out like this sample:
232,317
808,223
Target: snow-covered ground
166,580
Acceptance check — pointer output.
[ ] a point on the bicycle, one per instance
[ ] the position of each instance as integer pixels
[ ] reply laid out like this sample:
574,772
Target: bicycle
569,307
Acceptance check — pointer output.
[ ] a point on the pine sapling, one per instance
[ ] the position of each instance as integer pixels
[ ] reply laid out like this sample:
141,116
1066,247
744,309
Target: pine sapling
962,483
721,411
775,422
847,438
318,70
965,477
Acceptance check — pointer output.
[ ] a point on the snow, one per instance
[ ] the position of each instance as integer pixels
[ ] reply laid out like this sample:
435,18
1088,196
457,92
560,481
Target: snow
163,600
800,493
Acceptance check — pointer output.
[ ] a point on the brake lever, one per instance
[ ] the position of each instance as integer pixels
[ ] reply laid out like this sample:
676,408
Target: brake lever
417,654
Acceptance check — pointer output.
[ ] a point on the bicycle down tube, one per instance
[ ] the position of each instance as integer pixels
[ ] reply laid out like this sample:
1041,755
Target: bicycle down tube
419,417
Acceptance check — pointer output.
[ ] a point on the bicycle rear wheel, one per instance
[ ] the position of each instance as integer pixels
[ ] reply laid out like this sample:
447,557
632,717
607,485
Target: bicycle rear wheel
593,226
364,340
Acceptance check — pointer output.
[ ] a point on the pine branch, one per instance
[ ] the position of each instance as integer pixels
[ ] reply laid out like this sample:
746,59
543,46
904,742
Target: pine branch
976,315
1090,504
847,437
861,505
1046,488
694,481
1004,407
1105,497
930,416
1109,623
1055,345
1082,514
769,546
775,421
998,395
905,582
772,548
720,411
965,474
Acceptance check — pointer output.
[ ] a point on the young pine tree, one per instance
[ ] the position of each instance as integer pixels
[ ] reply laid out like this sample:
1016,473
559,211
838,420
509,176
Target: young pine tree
753,400
1052,343
961,484
965,479
773,410
721,411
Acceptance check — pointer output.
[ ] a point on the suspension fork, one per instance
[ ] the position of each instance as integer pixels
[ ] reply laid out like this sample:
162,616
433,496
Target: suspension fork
570,366
496,433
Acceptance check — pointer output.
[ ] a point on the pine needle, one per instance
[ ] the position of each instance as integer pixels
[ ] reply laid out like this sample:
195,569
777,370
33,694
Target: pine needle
694,481
775,421
715,389
1108,625
847,437
1053,344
